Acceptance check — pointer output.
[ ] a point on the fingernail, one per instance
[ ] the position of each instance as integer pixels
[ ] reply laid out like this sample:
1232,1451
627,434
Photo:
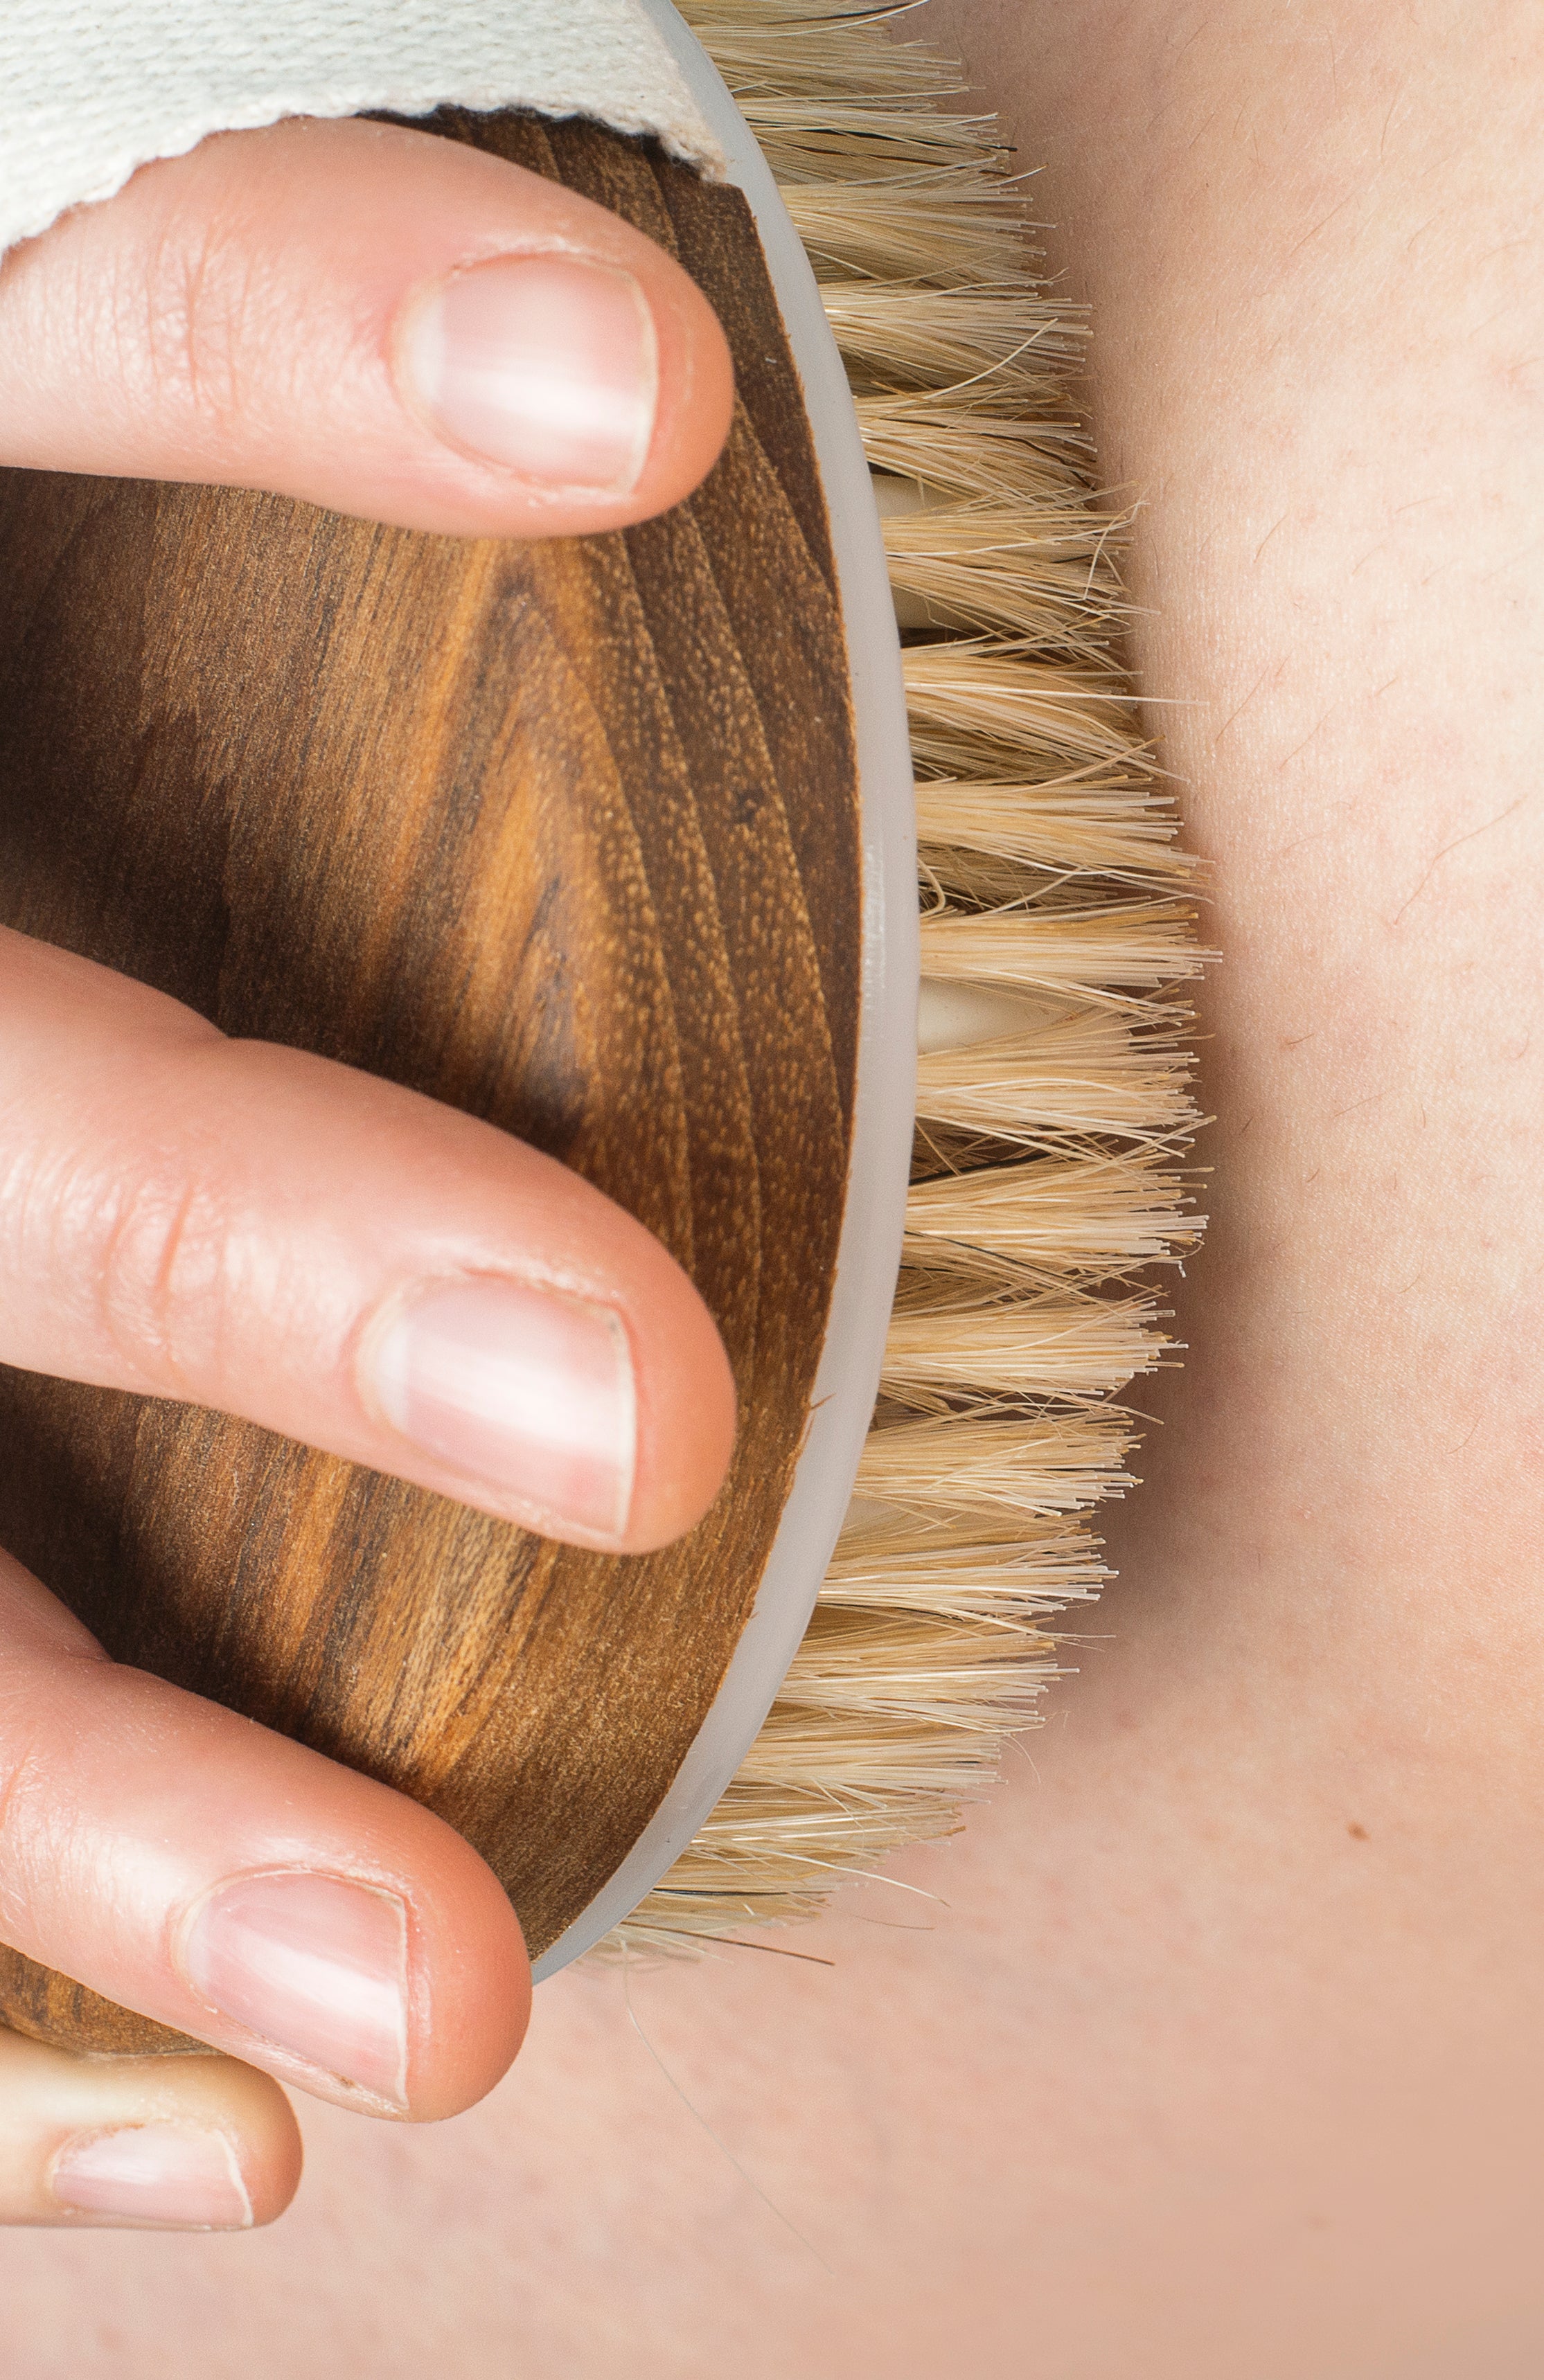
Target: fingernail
545,364
314,1965
154,2173
526,1389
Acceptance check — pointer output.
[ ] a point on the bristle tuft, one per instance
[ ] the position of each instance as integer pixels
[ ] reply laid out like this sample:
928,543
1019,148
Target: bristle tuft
1050,1178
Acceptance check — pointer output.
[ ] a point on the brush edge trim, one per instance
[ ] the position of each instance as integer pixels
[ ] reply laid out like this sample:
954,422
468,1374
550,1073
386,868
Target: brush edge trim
884,1105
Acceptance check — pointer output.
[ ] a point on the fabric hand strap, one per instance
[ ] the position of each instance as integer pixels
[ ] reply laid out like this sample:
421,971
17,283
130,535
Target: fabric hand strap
96,87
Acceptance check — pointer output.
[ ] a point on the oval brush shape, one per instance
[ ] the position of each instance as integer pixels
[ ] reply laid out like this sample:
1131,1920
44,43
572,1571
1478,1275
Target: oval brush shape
569,964
563,834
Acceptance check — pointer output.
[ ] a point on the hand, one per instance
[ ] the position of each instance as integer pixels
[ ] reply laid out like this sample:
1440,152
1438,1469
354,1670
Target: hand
399,327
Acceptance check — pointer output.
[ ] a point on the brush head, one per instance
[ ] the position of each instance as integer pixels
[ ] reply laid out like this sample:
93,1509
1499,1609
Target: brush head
639,946
665,943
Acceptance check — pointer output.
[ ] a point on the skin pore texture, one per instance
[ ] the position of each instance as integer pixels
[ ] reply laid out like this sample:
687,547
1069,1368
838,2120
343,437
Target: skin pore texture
1212,2050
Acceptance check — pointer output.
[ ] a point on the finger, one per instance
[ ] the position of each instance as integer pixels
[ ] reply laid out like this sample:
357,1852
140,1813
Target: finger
188,1863
266,1233
141,2144
373,319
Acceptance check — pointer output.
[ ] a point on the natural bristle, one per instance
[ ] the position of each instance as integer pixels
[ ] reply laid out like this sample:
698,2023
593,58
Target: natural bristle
1049,1180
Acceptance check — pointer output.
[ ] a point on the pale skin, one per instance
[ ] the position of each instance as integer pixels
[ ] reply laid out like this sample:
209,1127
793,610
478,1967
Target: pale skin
1217,2056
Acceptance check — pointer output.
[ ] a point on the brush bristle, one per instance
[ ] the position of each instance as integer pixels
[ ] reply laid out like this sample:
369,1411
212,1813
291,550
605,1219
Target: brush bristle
1050,1168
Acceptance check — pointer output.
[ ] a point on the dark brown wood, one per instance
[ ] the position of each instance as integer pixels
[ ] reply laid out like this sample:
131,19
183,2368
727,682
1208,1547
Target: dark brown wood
564,834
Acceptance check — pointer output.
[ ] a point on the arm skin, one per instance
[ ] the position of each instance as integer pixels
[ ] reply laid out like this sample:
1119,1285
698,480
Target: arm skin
1220,2058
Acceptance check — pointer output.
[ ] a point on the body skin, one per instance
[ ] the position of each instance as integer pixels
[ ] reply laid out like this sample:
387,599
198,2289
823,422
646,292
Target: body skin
1212,2050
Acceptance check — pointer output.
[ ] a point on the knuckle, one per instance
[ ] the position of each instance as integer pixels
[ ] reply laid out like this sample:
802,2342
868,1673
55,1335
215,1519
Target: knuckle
189,315
162,1273
25,1779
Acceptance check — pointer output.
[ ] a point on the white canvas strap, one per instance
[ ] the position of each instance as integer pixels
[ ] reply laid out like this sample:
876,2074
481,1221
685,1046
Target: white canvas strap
92,88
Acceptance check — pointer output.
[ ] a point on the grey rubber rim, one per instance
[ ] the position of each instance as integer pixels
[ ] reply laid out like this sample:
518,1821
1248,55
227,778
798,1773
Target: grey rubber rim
869,1253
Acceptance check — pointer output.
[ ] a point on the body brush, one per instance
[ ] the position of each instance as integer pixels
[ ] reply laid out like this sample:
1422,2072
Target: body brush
617,842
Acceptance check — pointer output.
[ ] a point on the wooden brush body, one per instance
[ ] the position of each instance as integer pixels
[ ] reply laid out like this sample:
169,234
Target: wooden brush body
565,836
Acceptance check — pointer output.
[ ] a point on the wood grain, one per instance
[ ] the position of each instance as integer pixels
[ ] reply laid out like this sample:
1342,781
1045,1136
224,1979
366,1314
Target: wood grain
564,834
